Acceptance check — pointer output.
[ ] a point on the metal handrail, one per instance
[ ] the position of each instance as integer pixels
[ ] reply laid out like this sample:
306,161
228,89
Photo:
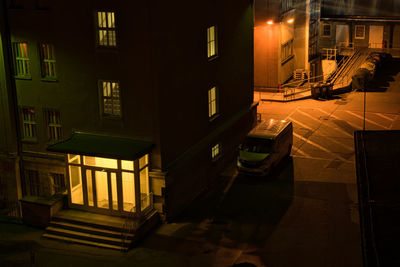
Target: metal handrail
133,219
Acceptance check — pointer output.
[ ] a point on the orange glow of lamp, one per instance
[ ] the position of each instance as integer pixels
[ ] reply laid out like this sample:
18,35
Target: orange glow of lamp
270,22
290,21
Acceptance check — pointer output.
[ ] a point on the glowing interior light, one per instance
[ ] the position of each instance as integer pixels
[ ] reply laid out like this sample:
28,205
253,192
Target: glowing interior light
290,20
270,22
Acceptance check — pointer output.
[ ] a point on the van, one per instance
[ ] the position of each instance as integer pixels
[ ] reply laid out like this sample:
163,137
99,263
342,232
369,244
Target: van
265,146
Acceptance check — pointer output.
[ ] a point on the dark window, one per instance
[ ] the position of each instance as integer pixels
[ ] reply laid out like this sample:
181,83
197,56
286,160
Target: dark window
58,182
326,31
53,124
48,61
31,184
29,123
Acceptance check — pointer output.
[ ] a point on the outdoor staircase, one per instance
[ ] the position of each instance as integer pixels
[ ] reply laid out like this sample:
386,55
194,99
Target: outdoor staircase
99,231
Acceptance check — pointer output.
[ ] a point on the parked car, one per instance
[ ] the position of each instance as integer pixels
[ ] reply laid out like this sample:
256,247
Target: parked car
265,146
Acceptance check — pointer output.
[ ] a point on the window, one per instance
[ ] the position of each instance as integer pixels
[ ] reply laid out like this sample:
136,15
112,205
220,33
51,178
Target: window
287,51
212,102
53,124
111,98
31,183
360,31
58,182
326,30
106,36
29,123
48,61
215,152
22,62
211,41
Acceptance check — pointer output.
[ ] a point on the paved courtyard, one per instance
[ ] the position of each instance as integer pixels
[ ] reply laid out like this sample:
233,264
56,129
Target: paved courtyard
304,214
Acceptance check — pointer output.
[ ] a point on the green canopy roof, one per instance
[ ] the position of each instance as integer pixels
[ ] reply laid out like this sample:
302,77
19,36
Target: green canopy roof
102,146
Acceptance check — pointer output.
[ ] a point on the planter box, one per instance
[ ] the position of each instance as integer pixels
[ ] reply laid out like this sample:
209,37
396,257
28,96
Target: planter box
38,211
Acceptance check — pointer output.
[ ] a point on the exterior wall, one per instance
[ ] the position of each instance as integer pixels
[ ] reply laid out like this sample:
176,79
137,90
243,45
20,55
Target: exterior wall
196,171
396,36
270,69
9,160
266,58
187,75
164,74
330,41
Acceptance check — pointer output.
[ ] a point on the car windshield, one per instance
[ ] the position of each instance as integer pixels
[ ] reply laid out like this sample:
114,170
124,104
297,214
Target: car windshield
257,145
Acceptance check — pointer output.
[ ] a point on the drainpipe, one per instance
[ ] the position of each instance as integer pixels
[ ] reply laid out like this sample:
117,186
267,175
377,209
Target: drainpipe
11,90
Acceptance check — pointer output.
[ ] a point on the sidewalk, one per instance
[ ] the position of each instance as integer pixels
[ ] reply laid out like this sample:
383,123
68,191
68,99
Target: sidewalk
292,95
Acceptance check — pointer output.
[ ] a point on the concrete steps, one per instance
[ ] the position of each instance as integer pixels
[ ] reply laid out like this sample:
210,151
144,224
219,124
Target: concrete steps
101,233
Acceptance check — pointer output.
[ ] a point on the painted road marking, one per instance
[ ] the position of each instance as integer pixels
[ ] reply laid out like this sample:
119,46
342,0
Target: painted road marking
367,120
336,128
330,138
339,119
320,147
383,116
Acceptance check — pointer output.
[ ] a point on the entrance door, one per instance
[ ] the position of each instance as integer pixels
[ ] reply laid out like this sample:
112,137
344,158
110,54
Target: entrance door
342,35
375,36
101,189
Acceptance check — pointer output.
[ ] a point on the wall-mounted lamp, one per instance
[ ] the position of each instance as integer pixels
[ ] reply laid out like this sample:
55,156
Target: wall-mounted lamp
270,22
290,21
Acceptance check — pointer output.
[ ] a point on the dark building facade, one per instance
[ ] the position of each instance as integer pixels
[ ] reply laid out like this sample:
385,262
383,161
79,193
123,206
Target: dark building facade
123,105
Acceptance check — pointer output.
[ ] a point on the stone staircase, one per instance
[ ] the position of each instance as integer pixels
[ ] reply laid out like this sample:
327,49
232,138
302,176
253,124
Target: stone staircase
100,230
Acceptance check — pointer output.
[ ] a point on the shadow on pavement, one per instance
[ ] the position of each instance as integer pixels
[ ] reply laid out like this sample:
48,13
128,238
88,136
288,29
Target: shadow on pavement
383,76
250,210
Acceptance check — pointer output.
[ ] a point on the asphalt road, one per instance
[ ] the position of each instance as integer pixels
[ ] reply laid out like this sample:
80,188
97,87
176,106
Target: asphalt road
304,214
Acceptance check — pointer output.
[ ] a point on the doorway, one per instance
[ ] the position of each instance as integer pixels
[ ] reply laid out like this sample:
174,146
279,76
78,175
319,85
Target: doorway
342,35
108,186
375,36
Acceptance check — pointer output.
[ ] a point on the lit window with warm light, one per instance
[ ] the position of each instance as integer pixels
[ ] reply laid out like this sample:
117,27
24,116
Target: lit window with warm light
212,102
106,34
110,98
109,184
22,68
211,41
215,152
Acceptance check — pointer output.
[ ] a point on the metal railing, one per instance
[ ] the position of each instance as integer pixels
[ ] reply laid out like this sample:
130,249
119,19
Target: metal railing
134,219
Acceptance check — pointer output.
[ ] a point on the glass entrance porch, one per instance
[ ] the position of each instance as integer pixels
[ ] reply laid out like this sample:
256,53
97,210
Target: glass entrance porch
107,185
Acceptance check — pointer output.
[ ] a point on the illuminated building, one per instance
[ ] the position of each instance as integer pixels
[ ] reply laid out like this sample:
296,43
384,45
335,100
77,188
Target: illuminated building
285,39
125,104
359,24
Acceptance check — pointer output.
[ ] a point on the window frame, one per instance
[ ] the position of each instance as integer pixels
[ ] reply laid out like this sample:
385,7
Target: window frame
284,55
212,103
102,98
26,74
323,30
211,55
216,151
51,61
56,126
107,29
355,32
32,124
